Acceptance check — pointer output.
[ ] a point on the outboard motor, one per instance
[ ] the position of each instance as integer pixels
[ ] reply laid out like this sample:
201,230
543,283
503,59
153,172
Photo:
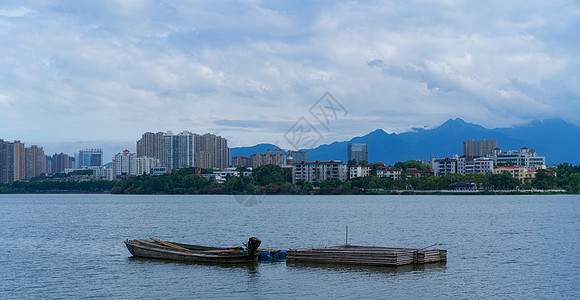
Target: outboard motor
253,244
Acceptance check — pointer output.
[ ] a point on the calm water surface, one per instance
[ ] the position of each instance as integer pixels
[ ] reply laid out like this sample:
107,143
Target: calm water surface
71,246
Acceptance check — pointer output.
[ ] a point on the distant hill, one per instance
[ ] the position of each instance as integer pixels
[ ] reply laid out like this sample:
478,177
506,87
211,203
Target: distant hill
557,140
247,151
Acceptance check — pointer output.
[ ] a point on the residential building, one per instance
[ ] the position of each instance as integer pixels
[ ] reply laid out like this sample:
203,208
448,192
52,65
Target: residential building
241,161
151,145
178,150
389,172
89,158
360,171
143,165
357,152
158,170
12,161
48,162
519,172
319,171
124,164
211,151
35,162
20,163
413,172
473,165
524,157
478,148
222,176
269,158
103,173
185,149
274,157
444,166
60,162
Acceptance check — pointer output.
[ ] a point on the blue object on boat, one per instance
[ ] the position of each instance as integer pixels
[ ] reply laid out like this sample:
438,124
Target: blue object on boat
265,256
280,255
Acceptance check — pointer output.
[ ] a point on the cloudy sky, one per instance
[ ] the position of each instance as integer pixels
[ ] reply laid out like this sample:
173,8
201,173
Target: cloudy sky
101,73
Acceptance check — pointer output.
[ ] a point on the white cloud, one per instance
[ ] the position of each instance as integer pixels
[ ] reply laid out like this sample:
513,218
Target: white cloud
124,67
15,12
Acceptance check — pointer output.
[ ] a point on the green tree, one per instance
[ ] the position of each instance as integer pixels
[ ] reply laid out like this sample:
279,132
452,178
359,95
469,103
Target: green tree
544,180
503,181
267,174
573,183
412,164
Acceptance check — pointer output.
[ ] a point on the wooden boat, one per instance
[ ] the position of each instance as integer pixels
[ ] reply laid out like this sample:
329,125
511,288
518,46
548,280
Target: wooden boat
155,248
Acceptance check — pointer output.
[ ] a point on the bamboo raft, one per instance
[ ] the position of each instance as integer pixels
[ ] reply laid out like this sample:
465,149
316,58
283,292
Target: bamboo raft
366,255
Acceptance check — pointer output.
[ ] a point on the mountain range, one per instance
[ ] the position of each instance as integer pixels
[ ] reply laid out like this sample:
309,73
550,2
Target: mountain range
555,139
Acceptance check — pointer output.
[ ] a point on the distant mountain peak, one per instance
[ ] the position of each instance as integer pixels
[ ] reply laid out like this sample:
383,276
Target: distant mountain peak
554,138
377,132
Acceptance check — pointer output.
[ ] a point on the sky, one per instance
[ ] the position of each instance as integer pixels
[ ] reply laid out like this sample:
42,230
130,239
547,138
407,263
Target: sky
98,74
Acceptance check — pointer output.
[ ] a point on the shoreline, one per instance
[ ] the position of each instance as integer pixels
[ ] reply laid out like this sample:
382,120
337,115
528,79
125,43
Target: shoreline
362,193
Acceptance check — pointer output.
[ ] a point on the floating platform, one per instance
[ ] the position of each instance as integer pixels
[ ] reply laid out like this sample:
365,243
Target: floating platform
366,255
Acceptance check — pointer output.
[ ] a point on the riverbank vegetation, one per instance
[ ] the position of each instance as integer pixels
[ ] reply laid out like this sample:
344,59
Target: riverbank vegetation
272,179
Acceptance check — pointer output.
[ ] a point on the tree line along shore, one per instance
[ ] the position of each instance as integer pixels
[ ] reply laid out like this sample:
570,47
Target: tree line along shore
272,179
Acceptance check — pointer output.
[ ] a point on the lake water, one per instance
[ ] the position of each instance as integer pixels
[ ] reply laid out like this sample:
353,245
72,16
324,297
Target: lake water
71,246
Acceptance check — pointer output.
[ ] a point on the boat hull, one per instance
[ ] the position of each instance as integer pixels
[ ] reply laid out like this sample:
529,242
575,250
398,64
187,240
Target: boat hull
226,257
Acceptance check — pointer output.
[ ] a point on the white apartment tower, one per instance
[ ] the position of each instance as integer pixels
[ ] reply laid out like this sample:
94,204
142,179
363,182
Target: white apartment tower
178,150
124,164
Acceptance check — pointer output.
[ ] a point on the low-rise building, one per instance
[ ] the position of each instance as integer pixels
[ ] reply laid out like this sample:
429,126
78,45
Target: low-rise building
360,171
389,172
470,165
318,171
413,172
524,157
519,172
444,166
158,170
462,165
103,173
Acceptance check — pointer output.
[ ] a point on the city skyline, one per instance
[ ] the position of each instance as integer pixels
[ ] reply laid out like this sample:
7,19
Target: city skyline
105,72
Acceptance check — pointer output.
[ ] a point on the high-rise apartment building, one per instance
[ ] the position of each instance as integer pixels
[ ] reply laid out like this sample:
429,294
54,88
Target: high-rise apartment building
357,152
89,158
178,150
124,164
212,151
18,162
269,158
60,162
241,161
151,145
35,162
4,161
185,149
478,148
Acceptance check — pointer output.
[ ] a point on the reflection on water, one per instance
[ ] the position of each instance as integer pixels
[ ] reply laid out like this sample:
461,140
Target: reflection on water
251,267
435,267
